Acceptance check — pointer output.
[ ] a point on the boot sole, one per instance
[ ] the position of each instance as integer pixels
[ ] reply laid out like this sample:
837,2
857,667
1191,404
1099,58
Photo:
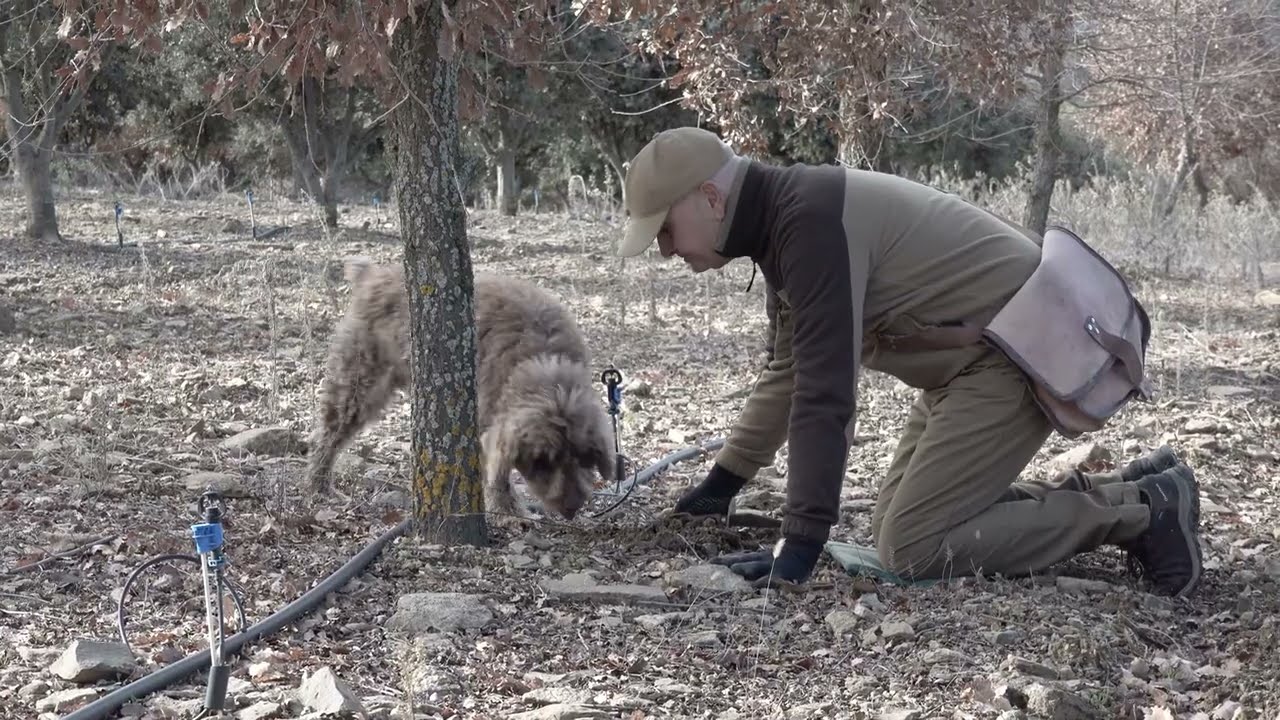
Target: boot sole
1189,522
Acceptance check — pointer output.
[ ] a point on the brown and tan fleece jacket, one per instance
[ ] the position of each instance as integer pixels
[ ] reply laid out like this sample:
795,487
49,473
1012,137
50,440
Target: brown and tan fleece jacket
854,256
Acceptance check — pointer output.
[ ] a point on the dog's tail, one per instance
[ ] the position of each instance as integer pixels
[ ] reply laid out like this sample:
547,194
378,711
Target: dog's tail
355,267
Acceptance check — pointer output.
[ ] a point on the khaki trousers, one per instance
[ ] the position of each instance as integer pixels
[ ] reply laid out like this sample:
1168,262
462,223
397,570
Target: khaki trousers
952,503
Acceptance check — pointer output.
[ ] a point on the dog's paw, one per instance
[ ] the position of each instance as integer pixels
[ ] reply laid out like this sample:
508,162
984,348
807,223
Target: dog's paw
513,521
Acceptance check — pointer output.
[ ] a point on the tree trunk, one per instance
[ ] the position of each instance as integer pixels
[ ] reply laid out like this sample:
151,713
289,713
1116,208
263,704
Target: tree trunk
35,169
508,194
32,139
1187,162
1048,138
448,501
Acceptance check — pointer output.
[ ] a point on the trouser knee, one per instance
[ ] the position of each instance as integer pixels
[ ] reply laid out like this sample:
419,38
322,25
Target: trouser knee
902,555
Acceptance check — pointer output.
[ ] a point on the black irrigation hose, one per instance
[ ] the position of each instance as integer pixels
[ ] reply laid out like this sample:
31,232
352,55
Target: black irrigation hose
647,474
162,678
100,709
124,592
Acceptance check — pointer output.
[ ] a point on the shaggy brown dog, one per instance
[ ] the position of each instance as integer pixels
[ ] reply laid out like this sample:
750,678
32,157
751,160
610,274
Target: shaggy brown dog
537,411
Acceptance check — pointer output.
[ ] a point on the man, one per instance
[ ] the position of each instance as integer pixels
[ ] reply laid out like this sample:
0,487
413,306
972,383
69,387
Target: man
857,258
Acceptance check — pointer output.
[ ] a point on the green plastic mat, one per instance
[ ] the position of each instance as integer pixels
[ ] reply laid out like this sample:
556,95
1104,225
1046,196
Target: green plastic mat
863,560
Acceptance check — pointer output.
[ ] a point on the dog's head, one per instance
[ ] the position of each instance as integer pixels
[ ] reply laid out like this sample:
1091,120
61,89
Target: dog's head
557,434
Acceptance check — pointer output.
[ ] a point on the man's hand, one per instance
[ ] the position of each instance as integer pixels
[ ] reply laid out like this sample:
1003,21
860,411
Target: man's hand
791,560
712,495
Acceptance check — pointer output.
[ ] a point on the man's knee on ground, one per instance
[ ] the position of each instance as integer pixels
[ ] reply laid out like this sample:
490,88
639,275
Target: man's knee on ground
903,556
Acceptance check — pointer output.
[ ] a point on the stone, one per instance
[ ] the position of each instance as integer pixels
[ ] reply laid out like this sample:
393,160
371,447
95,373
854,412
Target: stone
1227,391
1267,298
1054,703
88,661
811,710
938,656
33,690
893,630
705,639
66,700
899,714
1031,667
653,622
1082,585
710,578
1009,636
581,586
1200,427
264,710
1082,457
841,622
1229,710
418,613
224,484
325,693
274,441
8,323
560,695
562,711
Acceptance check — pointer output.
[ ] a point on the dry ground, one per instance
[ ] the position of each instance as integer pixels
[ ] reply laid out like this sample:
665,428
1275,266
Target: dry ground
128,368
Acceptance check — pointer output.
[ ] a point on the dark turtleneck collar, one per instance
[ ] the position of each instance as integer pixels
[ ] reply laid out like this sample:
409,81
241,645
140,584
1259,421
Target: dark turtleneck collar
750,212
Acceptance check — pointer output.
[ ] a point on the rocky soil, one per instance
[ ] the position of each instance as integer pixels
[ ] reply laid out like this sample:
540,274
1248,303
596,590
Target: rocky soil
131,380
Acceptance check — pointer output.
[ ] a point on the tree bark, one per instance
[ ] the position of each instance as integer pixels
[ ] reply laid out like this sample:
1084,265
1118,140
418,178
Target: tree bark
32,139
1048,138
319,144
1187,163
448,501
508,194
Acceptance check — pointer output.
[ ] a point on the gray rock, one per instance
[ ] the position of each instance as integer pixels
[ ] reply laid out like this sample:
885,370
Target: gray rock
1011,636
1200,427
560,695
1080,456
432,684
33,690
8,323
705,639
264,710
1228,710
811,710
653,622
88,661
66,700
1012,715
274,441
445,612
1054,703
224,484
841,622
893,630
899,714
1031,667
710,578
1081,585
580,586
939,656
324,692
562,711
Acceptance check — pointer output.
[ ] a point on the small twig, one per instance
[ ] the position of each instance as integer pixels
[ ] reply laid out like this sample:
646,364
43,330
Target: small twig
59,556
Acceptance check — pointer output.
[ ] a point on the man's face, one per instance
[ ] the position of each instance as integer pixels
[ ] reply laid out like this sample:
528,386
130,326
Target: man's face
691,229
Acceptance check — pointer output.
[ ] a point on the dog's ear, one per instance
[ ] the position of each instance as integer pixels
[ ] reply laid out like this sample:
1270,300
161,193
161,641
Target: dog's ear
355,267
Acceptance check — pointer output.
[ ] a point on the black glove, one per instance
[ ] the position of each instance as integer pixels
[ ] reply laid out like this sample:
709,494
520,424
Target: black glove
794,563
712,495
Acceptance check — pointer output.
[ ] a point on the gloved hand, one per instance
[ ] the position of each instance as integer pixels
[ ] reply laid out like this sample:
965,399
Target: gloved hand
791,560
712,495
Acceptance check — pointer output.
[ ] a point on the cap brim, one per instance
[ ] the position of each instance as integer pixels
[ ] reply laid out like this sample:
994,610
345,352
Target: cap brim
640,233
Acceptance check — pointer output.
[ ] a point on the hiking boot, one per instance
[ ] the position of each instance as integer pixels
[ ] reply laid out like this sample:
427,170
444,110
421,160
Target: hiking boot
1160,459
1168,554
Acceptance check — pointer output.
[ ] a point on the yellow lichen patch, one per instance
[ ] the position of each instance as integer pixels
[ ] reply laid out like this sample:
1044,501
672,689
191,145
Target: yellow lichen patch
426,289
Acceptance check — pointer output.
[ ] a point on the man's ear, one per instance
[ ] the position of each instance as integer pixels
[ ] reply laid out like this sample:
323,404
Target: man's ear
715,198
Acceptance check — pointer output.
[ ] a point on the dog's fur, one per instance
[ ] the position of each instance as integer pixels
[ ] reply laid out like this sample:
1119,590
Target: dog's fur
537,411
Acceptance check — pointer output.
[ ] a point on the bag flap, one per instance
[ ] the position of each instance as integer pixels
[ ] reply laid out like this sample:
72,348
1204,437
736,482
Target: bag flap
1071,321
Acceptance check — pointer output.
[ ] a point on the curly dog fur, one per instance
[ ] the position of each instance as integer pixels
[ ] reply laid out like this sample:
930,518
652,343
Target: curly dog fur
537,411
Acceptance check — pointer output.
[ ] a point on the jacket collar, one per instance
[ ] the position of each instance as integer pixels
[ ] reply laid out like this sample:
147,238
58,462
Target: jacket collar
750,212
